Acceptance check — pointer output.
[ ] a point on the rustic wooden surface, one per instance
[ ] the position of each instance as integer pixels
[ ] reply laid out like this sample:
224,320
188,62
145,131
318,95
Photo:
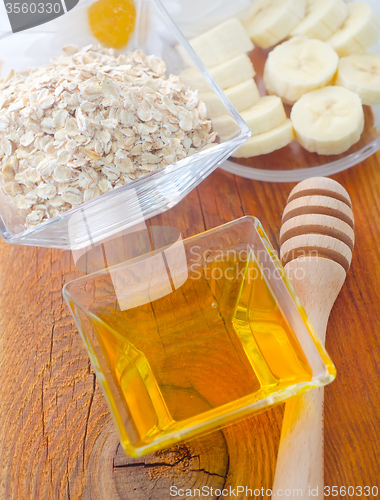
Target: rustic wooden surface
57,439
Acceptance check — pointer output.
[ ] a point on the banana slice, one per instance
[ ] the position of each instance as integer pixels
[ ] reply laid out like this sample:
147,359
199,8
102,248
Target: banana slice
361,74
360,31
298,66
328,121
266,143
194,79
226,127
233,72
323,19
226,75
271,21
264,116
242,96
220,44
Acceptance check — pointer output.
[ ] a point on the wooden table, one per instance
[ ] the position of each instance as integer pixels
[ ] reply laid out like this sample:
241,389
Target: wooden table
57,439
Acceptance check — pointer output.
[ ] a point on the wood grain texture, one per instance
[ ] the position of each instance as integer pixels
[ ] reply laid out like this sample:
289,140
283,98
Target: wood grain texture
56,435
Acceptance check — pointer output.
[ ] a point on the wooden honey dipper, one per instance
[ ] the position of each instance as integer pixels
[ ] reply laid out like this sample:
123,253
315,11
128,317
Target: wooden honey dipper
317,239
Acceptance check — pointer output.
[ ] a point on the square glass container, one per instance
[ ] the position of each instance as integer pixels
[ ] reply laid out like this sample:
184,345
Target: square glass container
155,33
195,335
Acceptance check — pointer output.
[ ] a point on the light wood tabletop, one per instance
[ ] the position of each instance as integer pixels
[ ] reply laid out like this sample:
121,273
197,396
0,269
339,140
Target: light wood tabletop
57,439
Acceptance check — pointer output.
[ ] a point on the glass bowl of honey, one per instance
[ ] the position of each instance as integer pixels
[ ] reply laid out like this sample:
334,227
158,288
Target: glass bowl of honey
192,335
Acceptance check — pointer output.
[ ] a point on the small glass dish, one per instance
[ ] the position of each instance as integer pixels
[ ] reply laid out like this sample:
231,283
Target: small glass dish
292,163
155,33
194,335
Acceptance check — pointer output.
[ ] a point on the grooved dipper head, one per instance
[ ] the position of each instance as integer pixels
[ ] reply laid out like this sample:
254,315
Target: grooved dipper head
318,221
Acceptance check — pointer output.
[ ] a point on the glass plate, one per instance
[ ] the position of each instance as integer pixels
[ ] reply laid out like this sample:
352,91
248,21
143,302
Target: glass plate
292,163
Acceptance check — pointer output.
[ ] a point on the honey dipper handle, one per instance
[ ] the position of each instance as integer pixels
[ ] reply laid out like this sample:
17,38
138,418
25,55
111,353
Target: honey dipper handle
317,282
300,456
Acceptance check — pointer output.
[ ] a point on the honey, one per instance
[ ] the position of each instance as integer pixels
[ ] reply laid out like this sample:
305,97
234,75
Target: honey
216,343
112,21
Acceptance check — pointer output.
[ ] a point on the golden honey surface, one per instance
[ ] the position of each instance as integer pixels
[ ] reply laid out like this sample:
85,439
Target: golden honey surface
199,351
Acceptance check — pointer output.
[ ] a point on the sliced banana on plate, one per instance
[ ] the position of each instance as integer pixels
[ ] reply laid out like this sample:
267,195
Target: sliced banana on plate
298,66
268,142
267,114
233,72
271,21
323,19
328,121
228,74
242,96
361,74
226,127
360,31
220,44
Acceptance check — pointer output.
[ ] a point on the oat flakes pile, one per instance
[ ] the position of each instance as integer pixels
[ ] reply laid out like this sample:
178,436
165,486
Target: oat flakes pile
90,122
